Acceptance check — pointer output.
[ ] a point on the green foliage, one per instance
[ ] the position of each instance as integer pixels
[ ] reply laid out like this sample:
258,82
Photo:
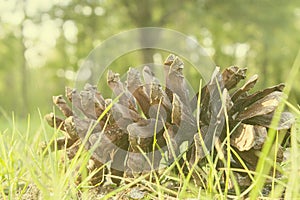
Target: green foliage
260,35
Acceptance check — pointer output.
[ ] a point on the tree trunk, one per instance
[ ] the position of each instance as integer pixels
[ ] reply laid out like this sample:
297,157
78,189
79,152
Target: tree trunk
24,70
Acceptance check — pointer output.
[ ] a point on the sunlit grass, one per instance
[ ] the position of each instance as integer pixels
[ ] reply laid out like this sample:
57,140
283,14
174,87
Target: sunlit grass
264,167
23,164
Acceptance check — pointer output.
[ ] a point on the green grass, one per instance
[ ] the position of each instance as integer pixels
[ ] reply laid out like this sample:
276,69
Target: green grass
263,167
22,164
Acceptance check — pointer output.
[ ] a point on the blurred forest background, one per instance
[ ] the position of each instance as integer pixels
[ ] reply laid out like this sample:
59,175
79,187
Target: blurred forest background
43,43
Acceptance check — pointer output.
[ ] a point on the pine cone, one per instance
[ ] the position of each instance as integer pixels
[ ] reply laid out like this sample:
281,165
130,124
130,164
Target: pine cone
149,118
